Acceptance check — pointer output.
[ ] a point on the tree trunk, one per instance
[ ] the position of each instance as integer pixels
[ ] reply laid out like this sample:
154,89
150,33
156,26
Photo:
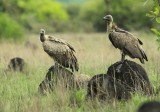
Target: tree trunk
107,2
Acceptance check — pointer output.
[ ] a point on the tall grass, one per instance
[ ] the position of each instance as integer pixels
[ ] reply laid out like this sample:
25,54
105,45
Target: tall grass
19,91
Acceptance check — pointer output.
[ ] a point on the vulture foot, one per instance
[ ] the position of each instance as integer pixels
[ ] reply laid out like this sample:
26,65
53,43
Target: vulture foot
118,68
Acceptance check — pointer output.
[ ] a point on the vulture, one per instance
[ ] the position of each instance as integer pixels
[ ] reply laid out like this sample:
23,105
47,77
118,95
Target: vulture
125,41
59,50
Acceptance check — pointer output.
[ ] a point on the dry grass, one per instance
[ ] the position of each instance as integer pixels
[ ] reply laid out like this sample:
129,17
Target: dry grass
18,92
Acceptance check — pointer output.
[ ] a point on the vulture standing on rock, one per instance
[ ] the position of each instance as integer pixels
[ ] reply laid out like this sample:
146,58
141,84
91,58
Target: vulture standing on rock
59,50
125,41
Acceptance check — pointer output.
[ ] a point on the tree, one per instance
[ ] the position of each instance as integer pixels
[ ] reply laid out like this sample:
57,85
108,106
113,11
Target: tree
107,2
154,14
125,15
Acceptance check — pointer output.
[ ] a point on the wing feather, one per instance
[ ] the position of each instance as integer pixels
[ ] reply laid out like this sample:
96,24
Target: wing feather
61,41
140,42
61,52
112,40
126,42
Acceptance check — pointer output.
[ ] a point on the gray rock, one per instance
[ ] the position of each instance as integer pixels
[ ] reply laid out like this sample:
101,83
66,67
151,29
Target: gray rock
132,75
17,64
151,106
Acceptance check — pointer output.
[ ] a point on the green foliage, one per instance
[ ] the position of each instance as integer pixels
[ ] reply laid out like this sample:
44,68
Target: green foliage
79,96
72,10
75,23
129,16
19,91
43,13
44,10
34,15
125,15
75,16
155,15
9,28
93,12
72,1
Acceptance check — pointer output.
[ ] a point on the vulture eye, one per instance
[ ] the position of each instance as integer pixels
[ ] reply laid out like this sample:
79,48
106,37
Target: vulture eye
42,31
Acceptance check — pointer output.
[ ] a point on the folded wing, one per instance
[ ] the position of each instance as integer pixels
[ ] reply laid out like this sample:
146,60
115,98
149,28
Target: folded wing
127,43
61,52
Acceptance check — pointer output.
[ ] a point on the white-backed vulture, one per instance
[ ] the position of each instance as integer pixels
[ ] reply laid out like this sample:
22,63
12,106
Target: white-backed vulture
59,50
125,41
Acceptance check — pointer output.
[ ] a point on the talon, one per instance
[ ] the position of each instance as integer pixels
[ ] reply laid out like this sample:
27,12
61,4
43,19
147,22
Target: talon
119,67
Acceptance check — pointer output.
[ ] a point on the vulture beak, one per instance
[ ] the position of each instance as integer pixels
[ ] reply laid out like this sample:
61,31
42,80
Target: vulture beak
42,32
105,18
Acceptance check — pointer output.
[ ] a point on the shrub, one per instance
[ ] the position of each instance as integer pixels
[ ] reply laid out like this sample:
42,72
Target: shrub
154,14
93,12
9,28
125,15
42,13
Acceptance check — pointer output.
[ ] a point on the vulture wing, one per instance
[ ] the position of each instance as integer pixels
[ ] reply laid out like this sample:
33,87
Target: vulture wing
128,43
61,52
140,42
123,31
62,42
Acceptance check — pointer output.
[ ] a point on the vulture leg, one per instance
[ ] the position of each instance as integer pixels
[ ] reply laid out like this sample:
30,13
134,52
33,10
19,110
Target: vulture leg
119,67
123,57
120,63
56,67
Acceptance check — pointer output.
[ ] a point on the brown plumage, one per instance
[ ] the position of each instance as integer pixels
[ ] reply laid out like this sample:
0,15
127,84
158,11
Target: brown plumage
125,41
59,50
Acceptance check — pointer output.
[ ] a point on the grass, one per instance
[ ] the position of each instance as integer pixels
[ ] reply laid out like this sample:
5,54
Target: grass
18,91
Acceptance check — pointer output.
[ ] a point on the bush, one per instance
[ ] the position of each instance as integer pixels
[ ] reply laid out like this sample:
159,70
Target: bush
76,16
130,16
125,15
72,10
154,14
74,23
93,12
9,28
42,13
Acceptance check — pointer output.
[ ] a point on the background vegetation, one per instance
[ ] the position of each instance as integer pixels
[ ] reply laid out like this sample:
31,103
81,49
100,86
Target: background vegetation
21,16
154,14
19,91
82,19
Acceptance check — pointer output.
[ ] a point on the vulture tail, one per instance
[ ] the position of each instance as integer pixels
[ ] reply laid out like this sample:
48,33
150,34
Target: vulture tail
74,65
144,55
140,42
141,60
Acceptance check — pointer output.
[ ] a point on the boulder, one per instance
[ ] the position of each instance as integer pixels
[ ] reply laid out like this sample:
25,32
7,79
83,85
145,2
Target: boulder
58,76
104,87
17,64
120,81
132,75
150,106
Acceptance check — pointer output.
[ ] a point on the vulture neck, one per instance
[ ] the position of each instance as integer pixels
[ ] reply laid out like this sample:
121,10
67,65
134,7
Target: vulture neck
110,27
42,37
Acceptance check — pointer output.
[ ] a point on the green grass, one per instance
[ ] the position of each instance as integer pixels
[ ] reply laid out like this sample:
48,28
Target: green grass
19,91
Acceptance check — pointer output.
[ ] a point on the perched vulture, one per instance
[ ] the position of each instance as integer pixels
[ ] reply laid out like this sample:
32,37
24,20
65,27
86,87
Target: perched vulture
125,41
61,52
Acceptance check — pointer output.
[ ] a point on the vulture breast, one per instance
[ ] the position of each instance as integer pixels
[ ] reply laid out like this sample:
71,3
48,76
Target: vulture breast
58,51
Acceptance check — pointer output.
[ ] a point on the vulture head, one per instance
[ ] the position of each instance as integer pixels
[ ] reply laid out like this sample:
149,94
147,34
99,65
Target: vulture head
42,33
109,20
